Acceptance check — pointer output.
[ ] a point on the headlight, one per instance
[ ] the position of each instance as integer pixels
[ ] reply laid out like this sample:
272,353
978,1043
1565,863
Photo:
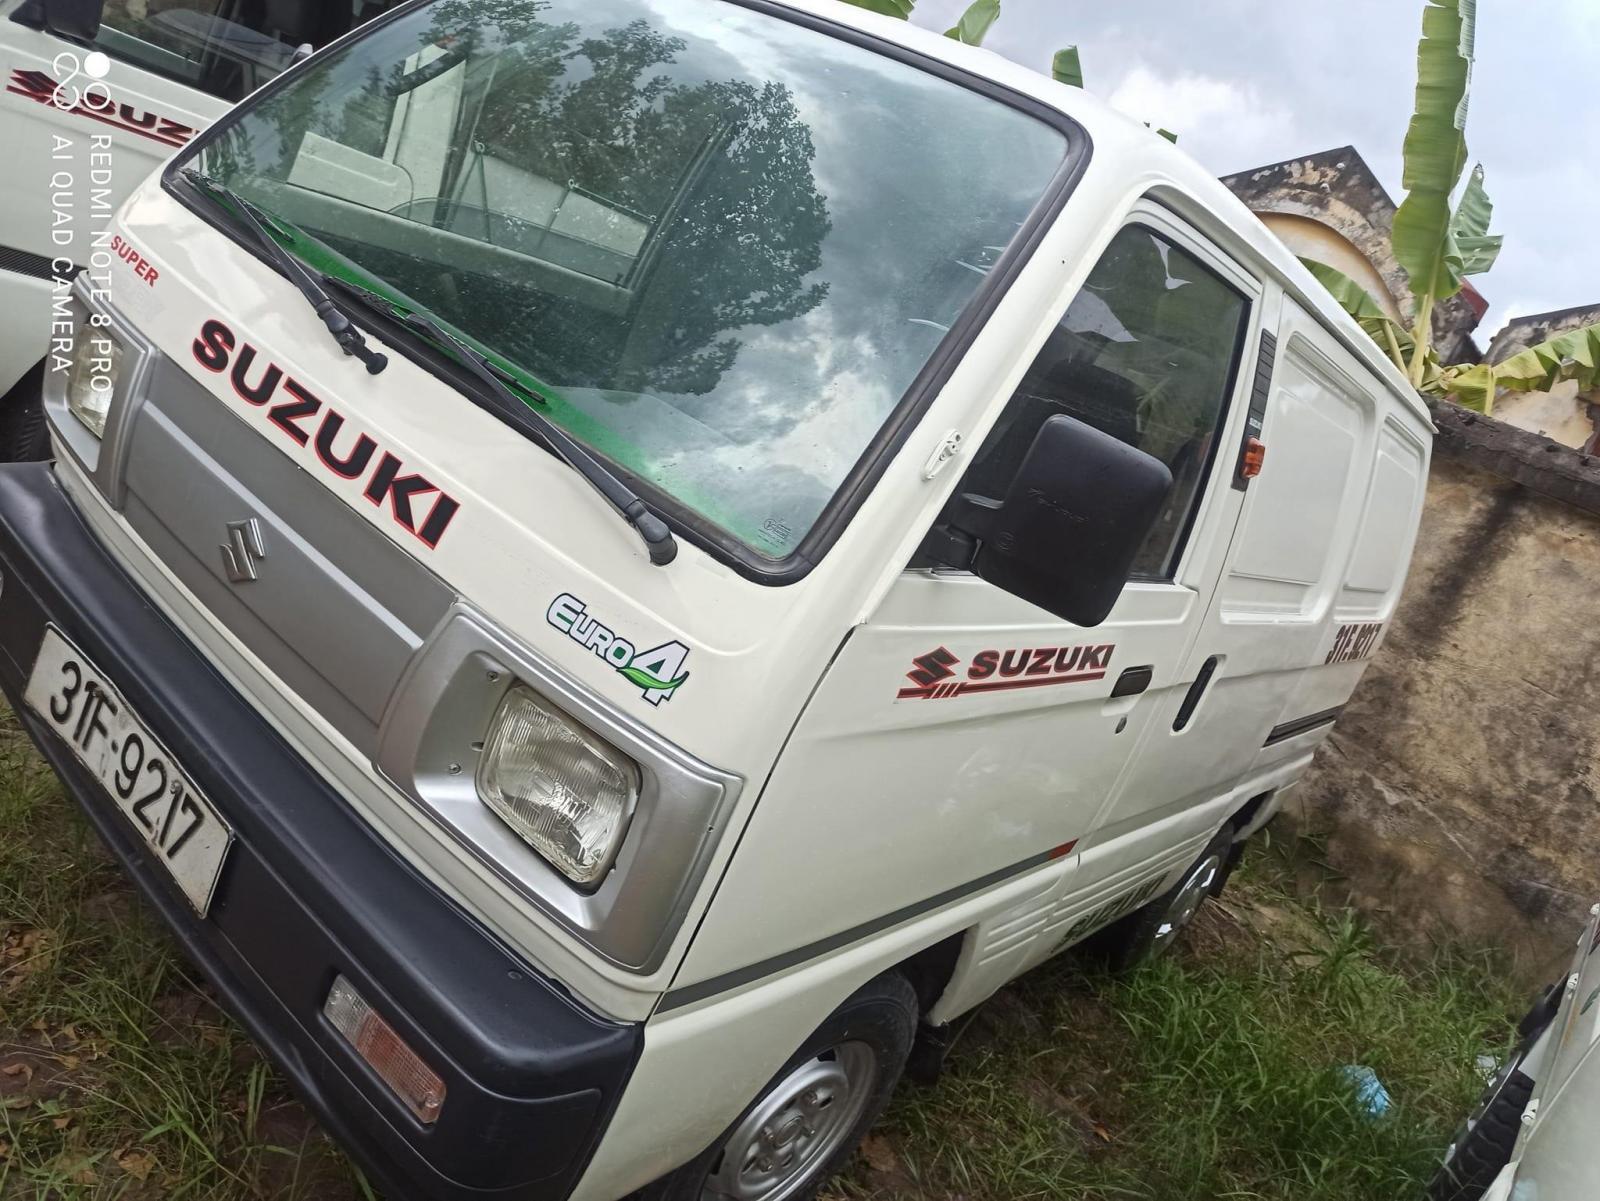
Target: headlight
564,791
92,377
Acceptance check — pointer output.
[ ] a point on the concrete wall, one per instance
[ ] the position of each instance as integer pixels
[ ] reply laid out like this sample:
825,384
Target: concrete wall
1559,414
1458,790
1309,238
1338,191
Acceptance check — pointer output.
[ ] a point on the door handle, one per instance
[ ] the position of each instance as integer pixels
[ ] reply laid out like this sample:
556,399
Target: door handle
1191,699
1133,681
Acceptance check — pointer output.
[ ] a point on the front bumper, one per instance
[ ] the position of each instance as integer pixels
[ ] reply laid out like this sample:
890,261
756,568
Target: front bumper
308,891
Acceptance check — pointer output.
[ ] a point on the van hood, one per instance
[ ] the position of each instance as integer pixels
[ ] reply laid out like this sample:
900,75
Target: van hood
501,521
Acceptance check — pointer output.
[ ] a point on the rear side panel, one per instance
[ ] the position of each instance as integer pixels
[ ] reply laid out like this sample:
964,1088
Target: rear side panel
1333,422
1319,556
1320,547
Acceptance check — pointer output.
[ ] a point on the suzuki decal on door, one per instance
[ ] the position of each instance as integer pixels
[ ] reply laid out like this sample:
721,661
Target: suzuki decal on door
937,675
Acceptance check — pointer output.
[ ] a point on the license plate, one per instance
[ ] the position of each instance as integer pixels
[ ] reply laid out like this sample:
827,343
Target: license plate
182,828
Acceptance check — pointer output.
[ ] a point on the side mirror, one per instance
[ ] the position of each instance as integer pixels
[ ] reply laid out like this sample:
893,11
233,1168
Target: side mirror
75,20
1075,515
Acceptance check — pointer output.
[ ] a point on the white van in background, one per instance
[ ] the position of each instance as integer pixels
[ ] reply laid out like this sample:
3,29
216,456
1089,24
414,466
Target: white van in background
96,94
609,566
1531,1136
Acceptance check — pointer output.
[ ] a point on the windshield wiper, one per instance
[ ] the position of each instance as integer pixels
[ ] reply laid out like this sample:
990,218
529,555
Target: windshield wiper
657,537
256,221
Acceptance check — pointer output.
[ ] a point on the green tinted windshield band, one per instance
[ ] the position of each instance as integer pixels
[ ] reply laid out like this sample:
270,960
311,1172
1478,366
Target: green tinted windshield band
724,244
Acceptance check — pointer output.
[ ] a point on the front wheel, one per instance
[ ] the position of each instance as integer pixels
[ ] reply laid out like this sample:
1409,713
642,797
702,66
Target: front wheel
813,1114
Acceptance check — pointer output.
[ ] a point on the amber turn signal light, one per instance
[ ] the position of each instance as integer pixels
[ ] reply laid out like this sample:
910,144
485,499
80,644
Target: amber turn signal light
1255,453
416,1084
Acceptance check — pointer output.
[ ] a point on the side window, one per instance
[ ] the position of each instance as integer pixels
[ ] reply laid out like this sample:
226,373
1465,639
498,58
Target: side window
1147,353
228,48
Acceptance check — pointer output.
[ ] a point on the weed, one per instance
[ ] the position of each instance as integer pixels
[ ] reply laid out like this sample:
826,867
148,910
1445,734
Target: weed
118,1076
1213,1074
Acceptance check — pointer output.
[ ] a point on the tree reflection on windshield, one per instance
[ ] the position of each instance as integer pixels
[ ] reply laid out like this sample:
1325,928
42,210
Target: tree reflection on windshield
722,243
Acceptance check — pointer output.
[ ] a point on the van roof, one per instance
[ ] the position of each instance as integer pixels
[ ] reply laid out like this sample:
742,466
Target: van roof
1162,170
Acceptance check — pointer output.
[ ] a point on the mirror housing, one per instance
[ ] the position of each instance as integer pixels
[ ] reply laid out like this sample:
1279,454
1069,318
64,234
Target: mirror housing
75,20
1065,535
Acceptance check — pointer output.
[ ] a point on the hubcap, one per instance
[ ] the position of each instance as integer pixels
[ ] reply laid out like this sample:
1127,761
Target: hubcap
795,1129
1187,903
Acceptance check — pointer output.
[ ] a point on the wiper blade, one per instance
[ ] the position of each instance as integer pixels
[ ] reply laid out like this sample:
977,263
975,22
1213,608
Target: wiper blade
344,331
658,539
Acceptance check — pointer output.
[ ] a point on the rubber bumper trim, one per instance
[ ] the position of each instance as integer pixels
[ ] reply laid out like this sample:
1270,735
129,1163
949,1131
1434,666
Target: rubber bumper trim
309,890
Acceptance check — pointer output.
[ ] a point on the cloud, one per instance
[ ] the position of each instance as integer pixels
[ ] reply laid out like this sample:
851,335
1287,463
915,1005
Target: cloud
1208,113
1245,83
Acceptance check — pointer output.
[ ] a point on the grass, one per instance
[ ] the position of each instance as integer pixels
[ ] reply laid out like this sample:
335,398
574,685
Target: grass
119,1078
1213,1075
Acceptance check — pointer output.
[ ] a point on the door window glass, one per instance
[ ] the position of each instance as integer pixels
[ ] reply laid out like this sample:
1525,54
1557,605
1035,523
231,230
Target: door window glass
228,48
1147,353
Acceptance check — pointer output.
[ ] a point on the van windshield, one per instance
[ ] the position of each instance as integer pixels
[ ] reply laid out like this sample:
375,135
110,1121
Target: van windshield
720,243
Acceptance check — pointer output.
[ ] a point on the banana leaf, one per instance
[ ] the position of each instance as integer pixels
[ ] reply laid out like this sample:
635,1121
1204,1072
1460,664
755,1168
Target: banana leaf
1436,154
1392,338
889,8
1477,247
1066,67
975,22
1573,355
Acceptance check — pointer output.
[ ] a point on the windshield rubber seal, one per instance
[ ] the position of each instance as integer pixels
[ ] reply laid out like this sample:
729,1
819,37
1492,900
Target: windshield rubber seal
902,420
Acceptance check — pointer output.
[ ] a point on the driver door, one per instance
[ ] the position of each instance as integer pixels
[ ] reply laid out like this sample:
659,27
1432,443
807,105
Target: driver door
963,734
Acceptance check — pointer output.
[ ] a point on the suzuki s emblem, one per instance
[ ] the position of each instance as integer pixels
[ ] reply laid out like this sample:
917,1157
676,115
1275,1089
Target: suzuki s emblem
243,550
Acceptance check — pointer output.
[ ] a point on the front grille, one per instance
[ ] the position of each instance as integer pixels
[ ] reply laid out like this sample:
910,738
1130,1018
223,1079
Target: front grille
331,606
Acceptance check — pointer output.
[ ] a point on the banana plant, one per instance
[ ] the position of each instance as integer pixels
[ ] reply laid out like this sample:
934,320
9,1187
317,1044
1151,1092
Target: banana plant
970,29
1439,244
1574,355
975,22
1067,67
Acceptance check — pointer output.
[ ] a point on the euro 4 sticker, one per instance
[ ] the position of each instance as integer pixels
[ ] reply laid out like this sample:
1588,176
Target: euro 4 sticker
658,672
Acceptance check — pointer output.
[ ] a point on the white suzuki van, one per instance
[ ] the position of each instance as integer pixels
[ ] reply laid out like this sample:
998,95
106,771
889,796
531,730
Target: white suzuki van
611,563
1531,1136
96,94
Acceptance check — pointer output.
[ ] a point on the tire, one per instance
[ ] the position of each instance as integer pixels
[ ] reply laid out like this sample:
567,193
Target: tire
24,437
1150,930
854,1060
1483,1144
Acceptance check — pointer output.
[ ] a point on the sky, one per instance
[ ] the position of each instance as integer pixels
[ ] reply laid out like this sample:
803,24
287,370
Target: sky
1245,83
